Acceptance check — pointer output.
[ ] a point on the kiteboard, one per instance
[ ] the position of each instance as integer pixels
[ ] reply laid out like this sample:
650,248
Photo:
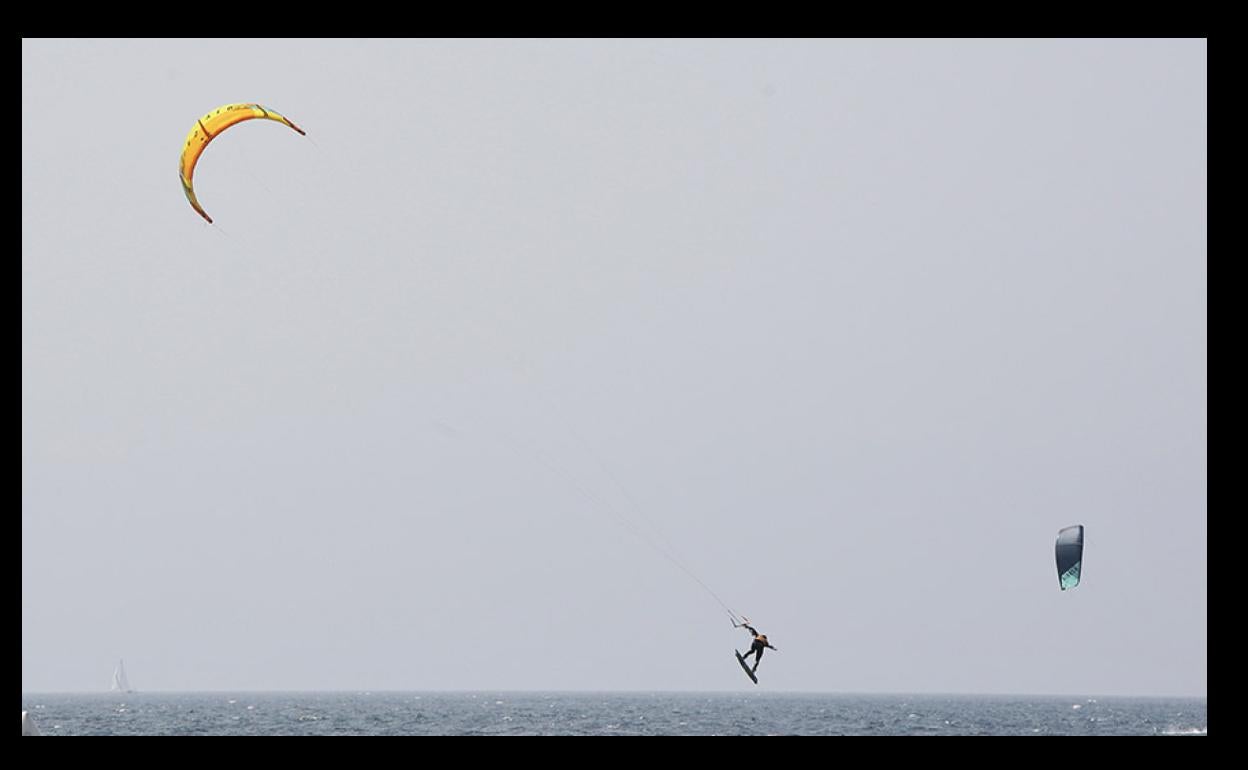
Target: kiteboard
746,666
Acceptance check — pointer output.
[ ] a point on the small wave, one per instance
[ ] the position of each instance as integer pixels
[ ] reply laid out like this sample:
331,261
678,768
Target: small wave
1185,731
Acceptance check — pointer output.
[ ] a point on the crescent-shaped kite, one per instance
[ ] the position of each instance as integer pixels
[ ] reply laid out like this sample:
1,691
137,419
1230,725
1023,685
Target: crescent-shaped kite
209,127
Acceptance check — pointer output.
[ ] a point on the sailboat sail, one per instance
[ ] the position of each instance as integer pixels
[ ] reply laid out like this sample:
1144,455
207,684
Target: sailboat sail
120,682
28,725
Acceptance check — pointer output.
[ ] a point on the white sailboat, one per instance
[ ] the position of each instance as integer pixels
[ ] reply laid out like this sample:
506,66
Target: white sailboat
120,682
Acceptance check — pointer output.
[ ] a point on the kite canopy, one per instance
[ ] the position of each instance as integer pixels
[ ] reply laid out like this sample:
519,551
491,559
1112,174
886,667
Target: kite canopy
1069,556
209,127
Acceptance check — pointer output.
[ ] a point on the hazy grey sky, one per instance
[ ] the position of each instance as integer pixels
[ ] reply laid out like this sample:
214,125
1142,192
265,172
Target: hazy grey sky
850,328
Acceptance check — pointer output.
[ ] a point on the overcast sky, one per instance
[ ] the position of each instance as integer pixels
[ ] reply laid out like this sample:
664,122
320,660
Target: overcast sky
530,350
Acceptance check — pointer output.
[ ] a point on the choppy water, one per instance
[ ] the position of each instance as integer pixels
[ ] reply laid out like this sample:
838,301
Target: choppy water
512,713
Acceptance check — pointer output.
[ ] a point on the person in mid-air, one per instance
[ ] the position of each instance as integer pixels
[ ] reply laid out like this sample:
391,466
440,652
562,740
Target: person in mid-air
759,644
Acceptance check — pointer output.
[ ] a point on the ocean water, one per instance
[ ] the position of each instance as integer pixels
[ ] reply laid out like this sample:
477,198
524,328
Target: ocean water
513,713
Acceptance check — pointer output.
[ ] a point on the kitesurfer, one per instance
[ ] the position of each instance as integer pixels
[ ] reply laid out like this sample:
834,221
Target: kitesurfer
759,644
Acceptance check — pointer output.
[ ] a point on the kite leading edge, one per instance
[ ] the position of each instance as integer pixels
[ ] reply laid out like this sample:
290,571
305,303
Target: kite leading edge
209,127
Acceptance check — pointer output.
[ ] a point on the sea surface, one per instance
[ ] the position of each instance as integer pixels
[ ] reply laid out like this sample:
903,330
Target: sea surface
515,713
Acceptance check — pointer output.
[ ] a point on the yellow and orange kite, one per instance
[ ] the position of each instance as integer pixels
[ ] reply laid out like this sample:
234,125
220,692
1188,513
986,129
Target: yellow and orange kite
209,127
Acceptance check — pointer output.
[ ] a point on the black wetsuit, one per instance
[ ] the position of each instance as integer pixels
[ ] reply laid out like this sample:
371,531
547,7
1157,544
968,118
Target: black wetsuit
757,647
